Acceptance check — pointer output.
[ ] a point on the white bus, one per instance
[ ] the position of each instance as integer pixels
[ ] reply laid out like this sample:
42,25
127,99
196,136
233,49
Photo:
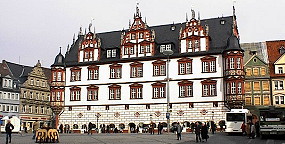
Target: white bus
235,118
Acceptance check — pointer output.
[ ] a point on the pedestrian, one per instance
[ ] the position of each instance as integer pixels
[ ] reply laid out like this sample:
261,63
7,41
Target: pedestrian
159,128
152,128
90,125
257,128
213,127
36,126
197,131
204,132
108,129
8,128
192,125
247,128
61,128
243,128
252,131
179,130
138,129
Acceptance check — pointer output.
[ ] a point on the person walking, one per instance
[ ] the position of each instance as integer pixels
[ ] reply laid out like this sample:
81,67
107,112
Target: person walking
36,126
204,132
243,127
192,125
197,131
8,128
257,129
179,130
159,128
252,131
213,127
152,128
61,128
90,125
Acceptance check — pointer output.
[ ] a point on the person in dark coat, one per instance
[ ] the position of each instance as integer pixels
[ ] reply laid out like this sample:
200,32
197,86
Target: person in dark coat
192,127
8,128
257,129
159,128
213,127
61,128
204,132
179,130
90,125
198,131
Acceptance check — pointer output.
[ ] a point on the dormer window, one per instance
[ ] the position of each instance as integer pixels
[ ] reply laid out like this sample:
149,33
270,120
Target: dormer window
282,50
280,70
165,47
111,53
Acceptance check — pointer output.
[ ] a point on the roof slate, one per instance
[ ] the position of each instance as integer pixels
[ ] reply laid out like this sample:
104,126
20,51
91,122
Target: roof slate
219,34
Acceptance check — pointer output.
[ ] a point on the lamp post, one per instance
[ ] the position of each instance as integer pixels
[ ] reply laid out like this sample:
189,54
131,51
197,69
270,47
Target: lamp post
168,53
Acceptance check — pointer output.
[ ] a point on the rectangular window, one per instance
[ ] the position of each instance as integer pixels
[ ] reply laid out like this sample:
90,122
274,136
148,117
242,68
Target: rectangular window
162,48
209,88
209,66
233,88
248,72
280,70
159,68
232,63
59,75
147,48
93,74
238,63
263,71
136,71
115,72
136,93
109,53
247,100
168,47
186,90
255,72
75,94
182,68
114,53
159,91
92,94
256,100
265,85
75,74
266,100
142,49
239,88
256,86
114,92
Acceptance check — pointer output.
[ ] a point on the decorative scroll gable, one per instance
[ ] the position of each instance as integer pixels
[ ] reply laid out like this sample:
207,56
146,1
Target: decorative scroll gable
90,48
138,41
194,37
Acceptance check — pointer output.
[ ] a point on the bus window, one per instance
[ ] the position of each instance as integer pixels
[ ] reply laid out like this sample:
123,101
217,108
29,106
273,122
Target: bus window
235,116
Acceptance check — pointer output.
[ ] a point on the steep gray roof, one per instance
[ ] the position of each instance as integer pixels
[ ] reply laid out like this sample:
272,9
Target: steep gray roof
219,36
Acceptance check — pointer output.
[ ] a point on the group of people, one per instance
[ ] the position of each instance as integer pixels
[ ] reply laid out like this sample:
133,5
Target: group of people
250,129
201,130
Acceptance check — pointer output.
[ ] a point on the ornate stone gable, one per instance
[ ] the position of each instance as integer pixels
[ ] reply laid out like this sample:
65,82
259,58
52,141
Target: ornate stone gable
138,41
194,37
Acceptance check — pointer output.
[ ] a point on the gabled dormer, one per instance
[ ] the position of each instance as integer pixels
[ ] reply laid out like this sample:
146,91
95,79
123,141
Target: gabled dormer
90,47
138,41
279,65
194,37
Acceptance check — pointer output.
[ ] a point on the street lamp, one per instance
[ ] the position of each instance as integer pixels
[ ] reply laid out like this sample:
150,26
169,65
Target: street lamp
168,53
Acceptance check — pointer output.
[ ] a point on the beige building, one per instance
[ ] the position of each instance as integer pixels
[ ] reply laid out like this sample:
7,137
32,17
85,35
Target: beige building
35,93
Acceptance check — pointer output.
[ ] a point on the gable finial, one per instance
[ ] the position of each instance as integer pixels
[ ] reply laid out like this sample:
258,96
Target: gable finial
60,50
186,17
234,26
73,40
145,20
129,23
137,10
193,14
80,31
199,21
67,50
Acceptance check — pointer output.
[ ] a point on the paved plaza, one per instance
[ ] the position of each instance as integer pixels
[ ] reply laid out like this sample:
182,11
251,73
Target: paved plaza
119,138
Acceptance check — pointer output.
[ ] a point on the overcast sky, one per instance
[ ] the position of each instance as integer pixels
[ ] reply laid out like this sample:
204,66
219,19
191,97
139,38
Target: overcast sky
32,30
